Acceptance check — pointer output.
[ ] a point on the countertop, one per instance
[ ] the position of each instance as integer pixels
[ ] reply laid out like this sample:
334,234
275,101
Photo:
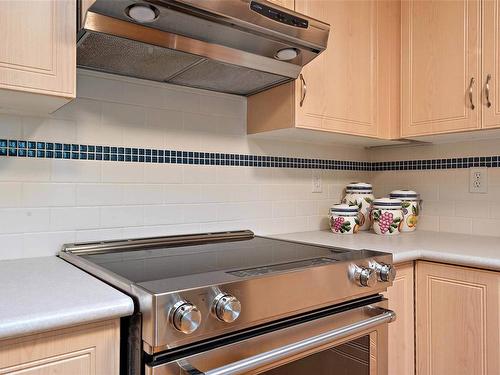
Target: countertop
459,249
42,294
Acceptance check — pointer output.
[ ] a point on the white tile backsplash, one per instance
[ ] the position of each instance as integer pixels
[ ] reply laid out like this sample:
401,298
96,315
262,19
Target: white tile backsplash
72,171
48,194
21,220
44,203
73,218
163,214
121,216
101,194
448,206
11,194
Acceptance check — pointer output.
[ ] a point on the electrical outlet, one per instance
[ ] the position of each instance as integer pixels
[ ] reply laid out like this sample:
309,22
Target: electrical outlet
478,180
317,185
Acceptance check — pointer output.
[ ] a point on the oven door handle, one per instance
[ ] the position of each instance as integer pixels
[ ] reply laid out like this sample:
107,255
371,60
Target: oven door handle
380,316
249,364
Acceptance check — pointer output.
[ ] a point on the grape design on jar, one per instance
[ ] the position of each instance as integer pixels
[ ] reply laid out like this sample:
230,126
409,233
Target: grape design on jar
344,219
386,221
339,224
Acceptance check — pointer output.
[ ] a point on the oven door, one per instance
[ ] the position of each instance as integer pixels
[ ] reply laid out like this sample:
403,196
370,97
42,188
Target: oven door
349,342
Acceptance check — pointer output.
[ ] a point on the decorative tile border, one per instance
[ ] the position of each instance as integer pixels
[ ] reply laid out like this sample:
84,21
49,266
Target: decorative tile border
433,164
54,150
51,150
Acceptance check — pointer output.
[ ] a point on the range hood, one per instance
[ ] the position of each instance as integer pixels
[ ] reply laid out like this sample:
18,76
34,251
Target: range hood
235,46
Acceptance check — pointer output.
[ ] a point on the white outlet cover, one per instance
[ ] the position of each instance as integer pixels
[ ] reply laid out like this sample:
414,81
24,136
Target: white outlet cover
317,184
478,180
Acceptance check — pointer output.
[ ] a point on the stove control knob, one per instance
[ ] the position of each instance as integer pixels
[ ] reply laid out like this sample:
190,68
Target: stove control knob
226,308
365,276
385,272
185,317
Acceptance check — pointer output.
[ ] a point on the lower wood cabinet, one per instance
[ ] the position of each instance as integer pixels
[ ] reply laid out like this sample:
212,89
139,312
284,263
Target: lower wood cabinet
457,320
92,349
401,331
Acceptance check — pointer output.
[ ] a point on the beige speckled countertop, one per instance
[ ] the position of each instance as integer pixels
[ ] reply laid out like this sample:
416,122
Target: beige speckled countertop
43,294
460,249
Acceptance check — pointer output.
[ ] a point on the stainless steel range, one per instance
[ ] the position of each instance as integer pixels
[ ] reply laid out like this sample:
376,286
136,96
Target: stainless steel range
235,303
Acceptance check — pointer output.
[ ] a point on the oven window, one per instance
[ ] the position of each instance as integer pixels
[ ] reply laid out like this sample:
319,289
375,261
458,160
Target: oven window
351,358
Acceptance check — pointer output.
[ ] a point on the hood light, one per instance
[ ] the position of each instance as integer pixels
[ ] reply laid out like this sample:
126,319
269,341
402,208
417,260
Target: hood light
142,13
286,54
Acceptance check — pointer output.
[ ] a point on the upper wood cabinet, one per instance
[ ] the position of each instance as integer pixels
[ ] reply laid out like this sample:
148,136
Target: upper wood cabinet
457,320
352,87
284,3
491,64
37,54
441,76
401,335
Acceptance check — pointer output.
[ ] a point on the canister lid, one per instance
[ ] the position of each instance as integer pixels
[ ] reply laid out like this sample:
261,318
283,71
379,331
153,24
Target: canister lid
344,209
387,203
354,187
408,195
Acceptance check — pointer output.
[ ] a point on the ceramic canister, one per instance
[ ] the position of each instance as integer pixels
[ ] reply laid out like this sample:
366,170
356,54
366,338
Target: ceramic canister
344,219
411,208
360,194
387,216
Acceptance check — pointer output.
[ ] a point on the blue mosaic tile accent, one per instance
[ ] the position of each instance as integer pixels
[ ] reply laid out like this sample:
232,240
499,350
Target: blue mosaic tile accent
49,150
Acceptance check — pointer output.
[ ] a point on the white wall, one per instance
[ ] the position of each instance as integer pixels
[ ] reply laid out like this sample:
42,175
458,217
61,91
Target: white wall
45,202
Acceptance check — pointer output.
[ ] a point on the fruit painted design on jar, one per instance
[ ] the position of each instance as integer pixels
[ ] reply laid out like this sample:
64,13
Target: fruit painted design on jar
387,216
387,222
341,225
364,208
344,219
411,208
360,194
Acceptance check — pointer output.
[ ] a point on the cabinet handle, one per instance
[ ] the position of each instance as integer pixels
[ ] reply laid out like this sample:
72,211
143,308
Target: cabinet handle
487,90
471,84
303,89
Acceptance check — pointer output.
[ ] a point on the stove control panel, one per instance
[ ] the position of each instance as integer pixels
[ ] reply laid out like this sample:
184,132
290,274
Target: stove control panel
226,307
185,317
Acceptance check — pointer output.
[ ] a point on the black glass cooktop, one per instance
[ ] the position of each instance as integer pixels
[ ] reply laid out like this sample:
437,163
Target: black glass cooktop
241,258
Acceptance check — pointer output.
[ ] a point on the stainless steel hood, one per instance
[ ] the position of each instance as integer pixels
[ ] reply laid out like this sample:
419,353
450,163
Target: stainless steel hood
234,46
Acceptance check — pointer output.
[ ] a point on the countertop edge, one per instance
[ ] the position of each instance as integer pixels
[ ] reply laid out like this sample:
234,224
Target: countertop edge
48,294
27,326
482,252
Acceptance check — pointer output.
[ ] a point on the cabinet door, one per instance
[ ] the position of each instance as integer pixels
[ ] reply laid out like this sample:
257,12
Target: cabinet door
491,64
440,64
457,320
401,331
284,3
38,48
92,349
342,81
